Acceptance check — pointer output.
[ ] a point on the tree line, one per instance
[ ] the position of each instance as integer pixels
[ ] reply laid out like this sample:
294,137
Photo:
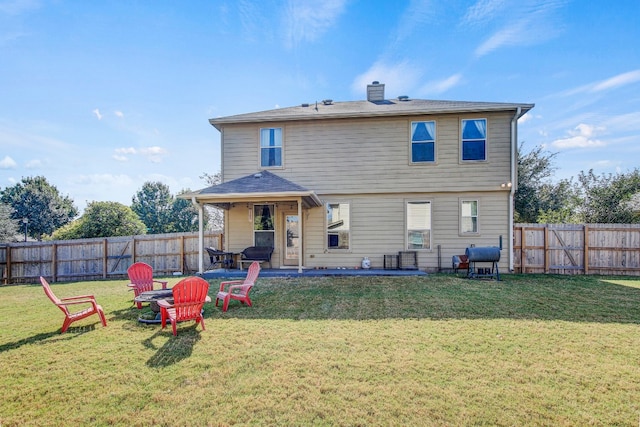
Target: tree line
590,198
36,208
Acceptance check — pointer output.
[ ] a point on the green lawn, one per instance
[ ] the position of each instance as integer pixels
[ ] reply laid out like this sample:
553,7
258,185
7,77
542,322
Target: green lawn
436,350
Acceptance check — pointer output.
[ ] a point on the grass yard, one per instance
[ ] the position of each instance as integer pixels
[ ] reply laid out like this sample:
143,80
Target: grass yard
345,351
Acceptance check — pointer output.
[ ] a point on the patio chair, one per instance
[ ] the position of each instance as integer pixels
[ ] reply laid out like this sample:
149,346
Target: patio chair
189,296
239,289
141,278
217,257
64,303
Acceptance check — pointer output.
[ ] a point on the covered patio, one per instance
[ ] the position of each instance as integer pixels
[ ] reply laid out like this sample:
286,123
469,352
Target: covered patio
257,189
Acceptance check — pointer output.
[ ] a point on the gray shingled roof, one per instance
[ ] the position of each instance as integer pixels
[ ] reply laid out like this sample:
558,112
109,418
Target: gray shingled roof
263,184
260,182
353,109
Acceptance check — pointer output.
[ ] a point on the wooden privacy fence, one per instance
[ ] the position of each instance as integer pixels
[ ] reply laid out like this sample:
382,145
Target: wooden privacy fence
102,258
607,249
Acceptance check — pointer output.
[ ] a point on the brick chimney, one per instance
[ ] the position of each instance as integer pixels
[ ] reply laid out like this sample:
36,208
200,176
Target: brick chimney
375,92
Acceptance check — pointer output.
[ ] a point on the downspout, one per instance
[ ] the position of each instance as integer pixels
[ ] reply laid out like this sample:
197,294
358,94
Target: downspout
200,234
514,180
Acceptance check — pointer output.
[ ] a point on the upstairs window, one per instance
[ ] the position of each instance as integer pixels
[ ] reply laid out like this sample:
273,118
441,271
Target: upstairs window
474,140
423,142
271,147
419,225
469,216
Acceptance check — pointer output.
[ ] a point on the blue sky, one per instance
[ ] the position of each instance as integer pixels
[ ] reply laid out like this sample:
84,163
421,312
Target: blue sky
101,96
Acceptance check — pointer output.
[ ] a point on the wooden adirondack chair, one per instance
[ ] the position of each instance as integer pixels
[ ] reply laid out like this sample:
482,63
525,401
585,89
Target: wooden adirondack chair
141,278
189,296
64,303
239,289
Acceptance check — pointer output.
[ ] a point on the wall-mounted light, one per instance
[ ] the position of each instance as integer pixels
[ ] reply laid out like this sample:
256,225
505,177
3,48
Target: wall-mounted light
505,185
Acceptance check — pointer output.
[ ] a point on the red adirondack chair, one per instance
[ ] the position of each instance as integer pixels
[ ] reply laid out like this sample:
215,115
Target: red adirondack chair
64,303
189,296
239,289
141,278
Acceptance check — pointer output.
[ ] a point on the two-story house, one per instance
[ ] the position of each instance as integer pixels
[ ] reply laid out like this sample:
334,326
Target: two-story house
329,183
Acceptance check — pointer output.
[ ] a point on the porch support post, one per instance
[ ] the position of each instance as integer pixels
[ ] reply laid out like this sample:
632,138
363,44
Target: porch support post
200,234
300,234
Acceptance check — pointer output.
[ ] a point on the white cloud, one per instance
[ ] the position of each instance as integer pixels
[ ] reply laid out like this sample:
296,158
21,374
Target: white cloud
440,86
16,7
399,78
34,164
8,163
120,158
96,113
614,82
119,114
125,150
153,154
307,21
524,23
583,136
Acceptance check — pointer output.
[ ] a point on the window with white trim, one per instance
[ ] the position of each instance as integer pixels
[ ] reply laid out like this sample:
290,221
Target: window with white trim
468,216
419,225
271,147
263,225
338,220
423,142
474,140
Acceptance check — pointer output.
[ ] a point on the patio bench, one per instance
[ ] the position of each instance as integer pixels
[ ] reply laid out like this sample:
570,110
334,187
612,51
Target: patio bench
255,253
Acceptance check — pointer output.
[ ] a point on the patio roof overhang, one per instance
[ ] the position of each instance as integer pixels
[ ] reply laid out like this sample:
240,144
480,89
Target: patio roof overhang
260,187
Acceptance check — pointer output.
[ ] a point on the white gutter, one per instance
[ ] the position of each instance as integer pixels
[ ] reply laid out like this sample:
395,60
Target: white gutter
514,179
200,234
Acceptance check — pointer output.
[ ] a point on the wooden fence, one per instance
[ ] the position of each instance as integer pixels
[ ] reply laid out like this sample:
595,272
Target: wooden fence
607,249
102,258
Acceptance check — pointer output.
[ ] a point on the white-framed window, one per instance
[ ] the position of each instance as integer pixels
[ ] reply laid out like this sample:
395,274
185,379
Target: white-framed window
423,142
338,225
468,216
474,139
418,222
270,147
263,225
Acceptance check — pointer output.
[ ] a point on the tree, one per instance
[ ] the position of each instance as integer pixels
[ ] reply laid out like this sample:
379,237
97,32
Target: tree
610,198
534,171
184,216
41,203
215,215
8,226
153,204
102,219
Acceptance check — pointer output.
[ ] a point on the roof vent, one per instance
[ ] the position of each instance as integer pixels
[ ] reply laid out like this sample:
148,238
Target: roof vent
257,175
403,98
327,101
375,92
305,105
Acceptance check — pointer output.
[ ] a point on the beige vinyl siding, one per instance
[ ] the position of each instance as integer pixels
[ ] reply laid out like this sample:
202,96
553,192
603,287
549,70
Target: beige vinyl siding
373,155
378,227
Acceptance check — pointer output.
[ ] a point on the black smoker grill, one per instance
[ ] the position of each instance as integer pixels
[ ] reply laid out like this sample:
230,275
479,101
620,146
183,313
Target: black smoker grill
490,254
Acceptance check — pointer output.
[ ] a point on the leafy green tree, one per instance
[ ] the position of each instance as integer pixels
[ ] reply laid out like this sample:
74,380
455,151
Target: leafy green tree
534,172
184,216
610,198
41,203
8,226
102,219
153,203
215,216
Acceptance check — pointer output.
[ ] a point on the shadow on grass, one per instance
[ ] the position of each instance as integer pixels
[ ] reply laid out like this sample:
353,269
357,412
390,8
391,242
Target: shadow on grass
48,337
441,297
175,349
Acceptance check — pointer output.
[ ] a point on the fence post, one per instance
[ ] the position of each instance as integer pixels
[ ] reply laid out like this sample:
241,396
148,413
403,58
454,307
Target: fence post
586,249
546,249
54,262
